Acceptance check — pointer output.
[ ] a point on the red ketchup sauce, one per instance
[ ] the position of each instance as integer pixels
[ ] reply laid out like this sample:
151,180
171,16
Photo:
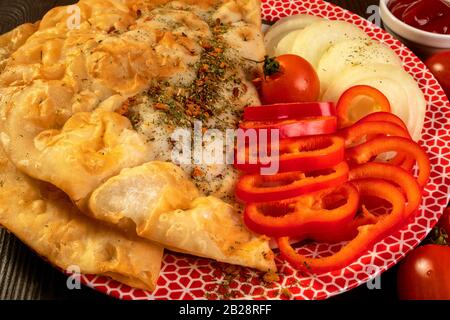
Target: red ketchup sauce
427,15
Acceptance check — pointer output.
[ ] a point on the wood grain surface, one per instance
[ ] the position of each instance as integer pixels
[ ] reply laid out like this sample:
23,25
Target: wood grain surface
23,275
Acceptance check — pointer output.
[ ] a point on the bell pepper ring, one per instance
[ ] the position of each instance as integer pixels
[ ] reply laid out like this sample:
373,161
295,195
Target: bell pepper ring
304,215
350,108
349,231
298,154
259,188
374,129
366,237
295,128
363,153
384,116
407,163
363,129
400,160
285,111
395,175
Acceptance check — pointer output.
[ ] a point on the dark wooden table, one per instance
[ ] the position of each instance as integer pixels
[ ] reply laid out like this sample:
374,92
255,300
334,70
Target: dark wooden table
23,275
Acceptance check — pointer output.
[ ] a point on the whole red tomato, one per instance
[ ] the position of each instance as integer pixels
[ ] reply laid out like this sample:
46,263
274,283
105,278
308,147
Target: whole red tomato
425,274
289,78
439,64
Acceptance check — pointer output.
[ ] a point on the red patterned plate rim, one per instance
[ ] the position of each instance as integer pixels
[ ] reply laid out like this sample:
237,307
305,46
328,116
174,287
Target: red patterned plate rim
184,277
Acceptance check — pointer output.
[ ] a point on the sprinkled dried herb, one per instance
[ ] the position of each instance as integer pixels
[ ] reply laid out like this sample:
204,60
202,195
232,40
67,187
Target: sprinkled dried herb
203,98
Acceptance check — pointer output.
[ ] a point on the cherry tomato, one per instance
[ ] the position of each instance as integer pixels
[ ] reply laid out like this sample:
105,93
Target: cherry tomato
425,274
289,78
439,64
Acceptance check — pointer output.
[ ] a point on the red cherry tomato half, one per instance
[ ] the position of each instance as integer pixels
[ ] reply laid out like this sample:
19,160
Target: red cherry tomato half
292,80
439,64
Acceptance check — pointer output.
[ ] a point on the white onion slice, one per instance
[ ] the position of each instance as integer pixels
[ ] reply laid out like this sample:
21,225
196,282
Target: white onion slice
352,53
285,26
314,40
285,44
406,99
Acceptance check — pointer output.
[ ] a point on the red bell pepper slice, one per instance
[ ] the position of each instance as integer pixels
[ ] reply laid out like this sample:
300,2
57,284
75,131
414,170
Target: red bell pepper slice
367,235
395,175
258,188
363,129
348,113
300,154
406,163
295,128
373,129
384,116
285,111
400,160
349,231
304,215
364,153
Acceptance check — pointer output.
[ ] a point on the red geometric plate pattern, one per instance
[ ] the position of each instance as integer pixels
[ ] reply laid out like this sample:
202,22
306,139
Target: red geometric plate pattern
185,277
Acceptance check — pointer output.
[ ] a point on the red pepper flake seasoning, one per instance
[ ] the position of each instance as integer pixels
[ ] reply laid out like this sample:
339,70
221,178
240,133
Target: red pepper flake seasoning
233,276
204,68
124,108
271,277
192,109
286,293
216,52
197,172
211,296
161,106
231,270
206,46
236,92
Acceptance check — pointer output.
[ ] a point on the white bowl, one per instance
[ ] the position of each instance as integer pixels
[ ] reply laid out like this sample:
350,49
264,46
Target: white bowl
422,42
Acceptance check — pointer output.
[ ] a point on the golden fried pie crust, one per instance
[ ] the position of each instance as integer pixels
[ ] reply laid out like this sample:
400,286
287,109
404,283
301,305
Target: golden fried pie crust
60,92
43,218
46,220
